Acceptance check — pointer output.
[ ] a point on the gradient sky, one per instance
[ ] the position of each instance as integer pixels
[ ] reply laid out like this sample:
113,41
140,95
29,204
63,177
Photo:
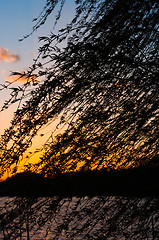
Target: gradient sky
16,21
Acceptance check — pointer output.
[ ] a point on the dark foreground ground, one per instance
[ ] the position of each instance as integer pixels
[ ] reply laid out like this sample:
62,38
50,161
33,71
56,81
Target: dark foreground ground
137,182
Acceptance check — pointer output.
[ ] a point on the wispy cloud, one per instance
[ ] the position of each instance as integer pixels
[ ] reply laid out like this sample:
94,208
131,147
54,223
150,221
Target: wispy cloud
3,72
21,78
6,56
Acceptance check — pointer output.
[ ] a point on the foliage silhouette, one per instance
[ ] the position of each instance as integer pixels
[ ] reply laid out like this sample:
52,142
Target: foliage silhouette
103,85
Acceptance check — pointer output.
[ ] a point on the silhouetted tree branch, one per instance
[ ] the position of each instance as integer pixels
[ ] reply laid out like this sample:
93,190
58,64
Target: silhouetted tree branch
103,85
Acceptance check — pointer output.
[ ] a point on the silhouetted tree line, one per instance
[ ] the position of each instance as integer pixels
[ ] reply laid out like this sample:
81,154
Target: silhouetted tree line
136,182
103,85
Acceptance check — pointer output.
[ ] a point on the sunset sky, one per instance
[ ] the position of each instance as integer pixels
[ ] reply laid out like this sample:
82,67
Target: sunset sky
15,22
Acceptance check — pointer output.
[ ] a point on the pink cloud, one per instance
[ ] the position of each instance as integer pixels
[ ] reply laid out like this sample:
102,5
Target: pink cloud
6,56
3,72
21,78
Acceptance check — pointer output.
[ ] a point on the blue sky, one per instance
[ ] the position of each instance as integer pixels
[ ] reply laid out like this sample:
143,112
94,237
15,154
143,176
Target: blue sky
16,21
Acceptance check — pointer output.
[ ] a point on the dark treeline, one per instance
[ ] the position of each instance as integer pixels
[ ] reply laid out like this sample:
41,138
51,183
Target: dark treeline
140,182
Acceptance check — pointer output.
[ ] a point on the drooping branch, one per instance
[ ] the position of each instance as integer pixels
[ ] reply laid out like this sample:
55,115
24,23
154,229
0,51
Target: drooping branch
105,85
